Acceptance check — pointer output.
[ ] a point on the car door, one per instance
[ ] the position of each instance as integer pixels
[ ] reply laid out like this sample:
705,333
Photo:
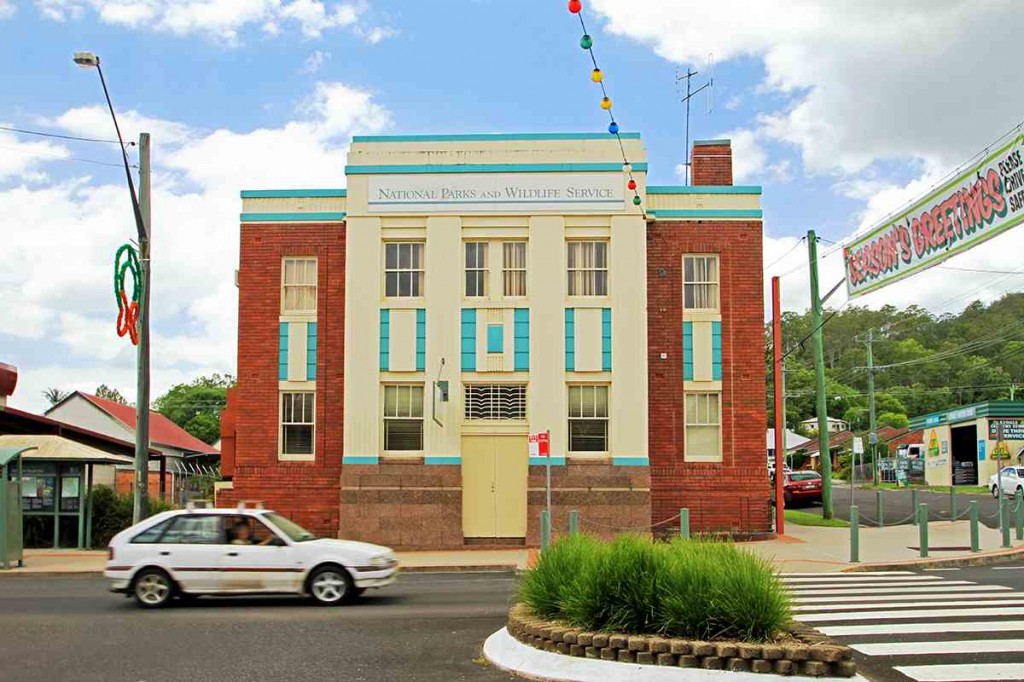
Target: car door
191,549
1010,480
263,562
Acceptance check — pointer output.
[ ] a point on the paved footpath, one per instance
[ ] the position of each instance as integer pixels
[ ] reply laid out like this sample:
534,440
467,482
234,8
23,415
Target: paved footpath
949,625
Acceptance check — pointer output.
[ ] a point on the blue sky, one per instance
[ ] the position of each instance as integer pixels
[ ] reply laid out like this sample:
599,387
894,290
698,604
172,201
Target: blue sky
839,110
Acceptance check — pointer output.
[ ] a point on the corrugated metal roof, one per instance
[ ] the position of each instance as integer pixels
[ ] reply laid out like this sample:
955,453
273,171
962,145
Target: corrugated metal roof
51,447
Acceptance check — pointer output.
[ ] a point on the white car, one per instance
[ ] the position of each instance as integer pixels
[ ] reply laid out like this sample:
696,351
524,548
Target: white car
190,552
1013,481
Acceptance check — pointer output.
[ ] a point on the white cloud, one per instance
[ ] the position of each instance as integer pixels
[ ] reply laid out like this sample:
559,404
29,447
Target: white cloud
315,61
56,284
7,9
220,19
23,157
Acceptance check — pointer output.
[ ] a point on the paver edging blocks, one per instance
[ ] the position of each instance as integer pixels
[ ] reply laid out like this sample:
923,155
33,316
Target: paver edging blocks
809,653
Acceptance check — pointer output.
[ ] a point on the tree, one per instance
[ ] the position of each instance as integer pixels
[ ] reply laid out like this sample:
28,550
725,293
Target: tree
896,421
196,406
111,394
54,395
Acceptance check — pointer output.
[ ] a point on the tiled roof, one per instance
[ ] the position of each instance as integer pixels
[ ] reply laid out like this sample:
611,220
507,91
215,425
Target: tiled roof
161,429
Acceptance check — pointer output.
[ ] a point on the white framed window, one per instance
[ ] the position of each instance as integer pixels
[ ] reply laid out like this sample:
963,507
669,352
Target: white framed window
298,409
403,417
700,282
588,418
703,426
298,286
495,402
513,268
403,269
476,269
587,268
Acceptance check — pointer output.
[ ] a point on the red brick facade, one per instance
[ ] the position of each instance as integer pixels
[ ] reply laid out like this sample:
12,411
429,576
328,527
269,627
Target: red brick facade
711,162
308,492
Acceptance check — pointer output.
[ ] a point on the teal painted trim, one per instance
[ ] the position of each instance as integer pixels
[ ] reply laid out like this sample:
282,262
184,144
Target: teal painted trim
489,137
282,352
705,143
292,193
310,217
521,339
543,461
631,461
385,339
510,201
687,351
606,339
421,339
705,213
468,339
495,338
310,351
442,459
360,459
716,351
494,168
570,340
703,189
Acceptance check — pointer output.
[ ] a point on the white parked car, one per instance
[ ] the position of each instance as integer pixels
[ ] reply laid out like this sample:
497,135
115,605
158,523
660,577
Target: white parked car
1013,480
186,553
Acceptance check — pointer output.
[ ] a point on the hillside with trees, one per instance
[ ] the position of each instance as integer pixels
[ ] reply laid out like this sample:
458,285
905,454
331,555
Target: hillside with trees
923,362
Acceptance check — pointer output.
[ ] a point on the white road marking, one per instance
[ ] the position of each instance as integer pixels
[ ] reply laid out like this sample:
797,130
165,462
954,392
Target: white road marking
909,604
927,594
930,582
1008,568
921,628
916,589
967,646
829,575
936,570
910,615
860,578
964,672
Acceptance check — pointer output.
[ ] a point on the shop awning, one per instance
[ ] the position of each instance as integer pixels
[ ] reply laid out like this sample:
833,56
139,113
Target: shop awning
58,448
7,454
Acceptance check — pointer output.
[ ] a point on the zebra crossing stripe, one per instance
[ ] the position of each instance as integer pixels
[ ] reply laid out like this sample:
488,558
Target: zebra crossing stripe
921,628
832,575
919,589
911,604
910,615
967,646
853,601
862,578
963,672
879,583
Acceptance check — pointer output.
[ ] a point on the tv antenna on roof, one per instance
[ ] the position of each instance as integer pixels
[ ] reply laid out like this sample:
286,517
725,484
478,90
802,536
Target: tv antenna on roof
690,94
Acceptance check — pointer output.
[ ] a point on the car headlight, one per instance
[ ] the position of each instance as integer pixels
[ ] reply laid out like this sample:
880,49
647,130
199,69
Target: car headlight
382,560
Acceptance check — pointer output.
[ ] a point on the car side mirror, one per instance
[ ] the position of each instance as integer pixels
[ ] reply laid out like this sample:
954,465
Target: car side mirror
277,542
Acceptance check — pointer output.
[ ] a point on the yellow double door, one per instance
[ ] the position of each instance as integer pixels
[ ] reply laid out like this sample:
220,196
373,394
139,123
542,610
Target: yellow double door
495,470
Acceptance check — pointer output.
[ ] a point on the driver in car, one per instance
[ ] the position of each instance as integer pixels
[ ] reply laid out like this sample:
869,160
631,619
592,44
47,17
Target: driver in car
243,535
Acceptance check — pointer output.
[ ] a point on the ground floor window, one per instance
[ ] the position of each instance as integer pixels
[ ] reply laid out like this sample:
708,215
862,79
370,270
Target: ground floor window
588,418
297,422
403,417
703,426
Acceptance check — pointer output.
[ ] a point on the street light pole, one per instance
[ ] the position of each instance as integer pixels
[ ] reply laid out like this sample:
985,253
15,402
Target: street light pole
88,60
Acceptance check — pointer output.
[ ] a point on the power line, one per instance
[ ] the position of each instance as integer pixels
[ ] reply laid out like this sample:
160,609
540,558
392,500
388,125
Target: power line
58,157
791,250
59,136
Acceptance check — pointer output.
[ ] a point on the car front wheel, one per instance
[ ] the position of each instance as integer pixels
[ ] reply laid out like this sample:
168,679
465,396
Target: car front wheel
331,585
995,491
153,588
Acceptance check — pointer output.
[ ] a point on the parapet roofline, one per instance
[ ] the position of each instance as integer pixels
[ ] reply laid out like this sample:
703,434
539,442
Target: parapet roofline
492,137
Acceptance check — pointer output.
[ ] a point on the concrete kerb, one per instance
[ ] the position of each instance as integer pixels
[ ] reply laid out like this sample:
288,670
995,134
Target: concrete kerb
506,653
981,559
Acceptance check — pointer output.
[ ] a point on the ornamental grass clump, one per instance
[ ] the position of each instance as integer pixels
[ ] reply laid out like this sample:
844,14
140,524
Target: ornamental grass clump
697,589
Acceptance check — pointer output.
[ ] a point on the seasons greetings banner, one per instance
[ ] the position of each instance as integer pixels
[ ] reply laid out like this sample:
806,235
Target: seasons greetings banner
978,204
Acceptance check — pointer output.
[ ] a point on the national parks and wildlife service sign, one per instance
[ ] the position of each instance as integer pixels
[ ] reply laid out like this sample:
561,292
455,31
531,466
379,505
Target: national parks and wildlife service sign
978,204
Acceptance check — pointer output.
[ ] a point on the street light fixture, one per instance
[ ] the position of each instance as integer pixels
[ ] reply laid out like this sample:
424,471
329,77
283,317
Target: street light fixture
88,60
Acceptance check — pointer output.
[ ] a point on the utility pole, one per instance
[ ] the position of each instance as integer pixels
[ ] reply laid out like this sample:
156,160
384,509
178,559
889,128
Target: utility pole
780,420
872,424
141,507
818,343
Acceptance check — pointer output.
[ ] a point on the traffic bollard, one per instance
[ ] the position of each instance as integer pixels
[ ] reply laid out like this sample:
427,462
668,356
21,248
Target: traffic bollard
574,522
878,507
922,528
952,503
684,523
1004,521
975,537
854,535
545,529
913,503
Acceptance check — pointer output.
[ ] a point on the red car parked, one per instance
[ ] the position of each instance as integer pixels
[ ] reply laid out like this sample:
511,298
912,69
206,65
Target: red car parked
801,486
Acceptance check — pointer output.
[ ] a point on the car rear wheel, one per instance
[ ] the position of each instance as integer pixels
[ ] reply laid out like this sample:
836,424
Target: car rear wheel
331,585
152,588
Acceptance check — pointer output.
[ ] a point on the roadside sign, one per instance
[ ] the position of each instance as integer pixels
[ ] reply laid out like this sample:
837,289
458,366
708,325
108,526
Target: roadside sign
858,445
540,444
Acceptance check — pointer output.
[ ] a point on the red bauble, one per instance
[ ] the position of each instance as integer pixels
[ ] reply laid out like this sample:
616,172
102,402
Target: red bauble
575,6
631,184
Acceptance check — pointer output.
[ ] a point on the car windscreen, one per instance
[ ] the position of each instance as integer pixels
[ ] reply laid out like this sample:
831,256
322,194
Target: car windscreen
804,476
294,531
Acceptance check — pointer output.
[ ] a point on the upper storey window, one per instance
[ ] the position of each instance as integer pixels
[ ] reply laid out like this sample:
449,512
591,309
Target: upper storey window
403,269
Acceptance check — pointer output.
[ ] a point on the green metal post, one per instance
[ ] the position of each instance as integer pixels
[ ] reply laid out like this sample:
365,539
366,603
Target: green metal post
545,529
684,523
879,509
3,516
818,344
1019,516
913,503
574,522
854,535
1004,521
975,537
952,503
922,528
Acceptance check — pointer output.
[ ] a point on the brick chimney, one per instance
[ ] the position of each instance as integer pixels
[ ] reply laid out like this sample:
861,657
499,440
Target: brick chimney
8,380
711,162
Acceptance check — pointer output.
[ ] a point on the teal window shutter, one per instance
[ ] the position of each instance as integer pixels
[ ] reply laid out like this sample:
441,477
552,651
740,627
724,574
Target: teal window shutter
521,337
687,351
421,339
469,339
495,338
385,339
716,351
282,352
310,351
570,339
606,339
